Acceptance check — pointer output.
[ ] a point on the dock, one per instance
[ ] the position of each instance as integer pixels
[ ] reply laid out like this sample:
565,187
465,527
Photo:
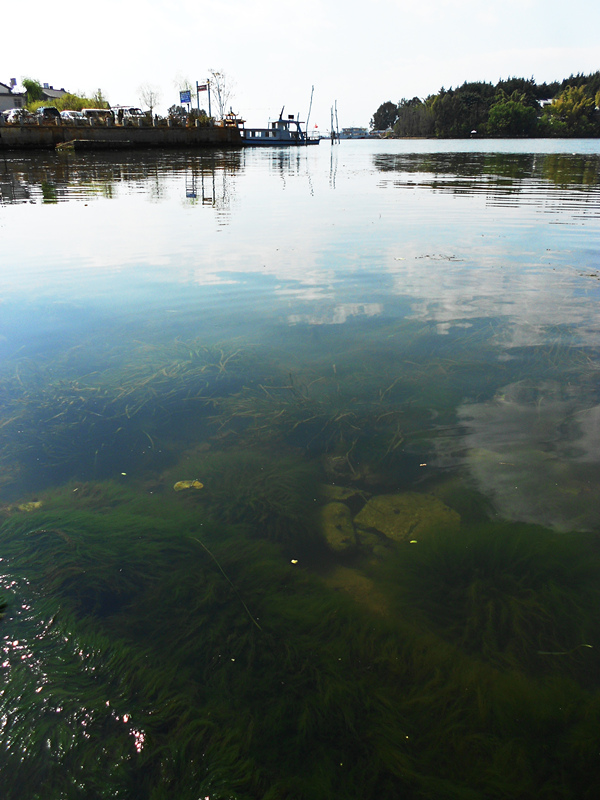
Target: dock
113,137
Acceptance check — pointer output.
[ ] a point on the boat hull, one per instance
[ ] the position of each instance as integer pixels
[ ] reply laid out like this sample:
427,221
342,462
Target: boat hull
248,142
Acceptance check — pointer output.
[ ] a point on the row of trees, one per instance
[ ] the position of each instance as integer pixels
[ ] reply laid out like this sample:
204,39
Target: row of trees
512,107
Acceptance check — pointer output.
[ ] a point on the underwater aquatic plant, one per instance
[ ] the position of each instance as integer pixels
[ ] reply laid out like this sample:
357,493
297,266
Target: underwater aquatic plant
62,422
118,602
508,593
272,494
323,415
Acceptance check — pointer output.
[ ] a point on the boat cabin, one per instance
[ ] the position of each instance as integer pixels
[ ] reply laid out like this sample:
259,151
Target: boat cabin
283,131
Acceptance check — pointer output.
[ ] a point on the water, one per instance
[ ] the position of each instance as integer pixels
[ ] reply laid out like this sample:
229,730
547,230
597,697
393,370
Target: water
380,360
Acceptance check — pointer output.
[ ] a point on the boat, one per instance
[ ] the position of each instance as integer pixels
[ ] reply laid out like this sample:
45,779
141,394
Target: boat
285,131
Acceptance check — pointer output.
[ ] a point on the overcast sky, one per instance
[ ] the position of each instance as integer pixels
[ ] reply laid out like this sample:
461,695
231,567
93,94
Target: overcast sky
359,54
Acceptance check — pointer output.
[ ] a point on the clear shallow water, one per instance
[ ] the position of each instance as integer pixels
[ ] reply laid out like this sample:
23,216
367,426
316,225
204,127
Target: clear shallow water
413,321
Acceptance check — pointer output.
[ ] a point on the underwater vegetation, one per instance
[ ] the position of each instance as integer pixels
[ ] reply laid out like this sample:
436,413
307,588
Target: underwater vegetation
515,595
362,404
350,419
273,495
161,643
151,650
83,419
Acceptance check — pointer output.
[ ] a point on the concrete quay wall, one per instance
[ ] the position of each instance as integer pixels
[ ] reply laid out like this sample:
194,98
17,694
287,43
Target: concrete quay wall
19,137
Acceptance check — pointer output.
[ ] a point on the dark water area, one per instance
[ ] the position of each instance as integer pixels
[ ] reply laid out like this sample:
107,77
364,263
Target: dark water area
300,472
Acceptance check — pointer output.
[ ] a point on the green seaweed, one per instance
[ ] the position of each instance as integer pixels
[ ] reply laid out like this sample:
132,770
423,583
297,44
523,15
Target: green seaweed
274,495
342,412
73,419
515,595
149,602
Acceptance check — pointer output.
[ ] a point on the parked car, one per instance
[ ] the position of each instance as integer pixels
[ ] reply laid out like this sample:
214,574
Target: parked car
48,114
129,114
99,116
17,116
73,117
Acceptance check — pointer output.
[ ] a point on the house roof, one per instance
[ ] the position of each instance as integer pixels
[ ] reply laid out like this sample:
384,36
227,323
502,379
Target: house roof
50,93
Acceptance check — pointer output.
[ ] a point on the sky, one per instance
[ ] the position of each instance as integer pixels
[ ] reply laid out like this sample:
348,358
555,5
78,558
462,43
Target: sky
355,55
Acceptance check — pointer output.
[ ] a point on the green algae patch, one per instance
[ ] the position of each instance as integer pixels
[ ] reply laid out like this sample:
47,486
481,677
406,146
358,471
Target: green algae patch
405,517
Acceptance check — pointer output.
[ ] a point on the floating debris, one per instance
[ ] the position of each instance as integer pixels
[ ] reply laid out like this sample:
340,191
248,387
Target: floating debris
32,505
181,485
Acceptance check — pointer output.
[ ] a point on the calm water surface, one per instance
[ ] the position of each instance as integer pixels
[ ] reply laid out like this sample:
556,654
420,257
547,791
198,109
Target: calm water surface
299,472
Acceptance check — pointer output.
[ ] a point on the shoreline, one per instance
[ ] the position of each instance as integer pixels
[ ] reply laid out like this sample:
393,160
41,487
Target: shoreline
48,137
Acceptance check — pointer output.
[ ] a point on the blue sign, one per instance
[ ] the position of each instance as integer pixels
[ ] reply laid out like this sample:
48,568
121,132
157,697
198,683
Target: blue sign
185,97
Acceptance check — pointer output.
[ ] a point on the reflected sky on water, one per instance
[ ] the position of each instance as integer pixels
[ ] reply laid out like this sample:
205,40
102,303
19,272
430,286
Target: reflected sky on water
454,237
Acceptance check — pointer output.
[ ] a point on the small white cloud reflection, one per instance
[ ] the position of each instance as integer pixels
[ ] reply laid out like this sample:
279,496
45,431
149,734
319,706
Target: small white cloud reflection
337,315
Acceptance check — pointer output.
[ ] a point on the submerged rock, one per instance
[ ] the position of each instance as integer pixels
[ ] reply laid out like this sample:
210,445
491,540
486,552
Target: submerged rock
406,516
337,527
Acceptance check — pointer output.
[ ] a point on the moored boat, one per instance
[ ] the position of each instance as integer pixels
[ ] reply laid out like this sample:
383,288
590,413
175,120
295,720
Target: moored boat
285,131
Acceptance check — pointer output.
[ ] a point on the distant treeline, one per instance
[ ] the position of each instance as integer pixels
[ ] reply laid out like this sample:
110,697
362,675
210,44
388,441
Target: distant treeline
513,107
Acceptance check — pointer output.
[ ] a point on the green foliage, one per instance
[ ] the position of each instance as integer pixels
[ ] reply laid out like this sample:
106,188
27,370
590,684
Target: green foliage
511,116
510,108
522,90
33,89
457,113
384,117
415,118
590,83
99,100
572,113
73,102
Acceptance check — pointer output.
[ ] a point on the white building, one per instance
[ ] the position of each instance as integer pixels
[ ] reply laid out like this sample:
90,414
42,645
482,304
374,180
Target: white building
10,99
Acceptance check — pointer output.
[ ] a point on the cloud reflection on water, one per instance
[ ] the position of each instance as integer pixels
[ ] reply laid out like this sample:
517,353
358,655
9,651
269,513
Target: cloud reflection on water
448,240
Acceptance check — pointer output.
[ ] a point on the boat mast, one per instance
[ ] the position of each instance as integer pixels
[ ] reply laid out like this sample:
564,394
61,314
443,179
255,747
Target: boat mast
335,131
312,91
